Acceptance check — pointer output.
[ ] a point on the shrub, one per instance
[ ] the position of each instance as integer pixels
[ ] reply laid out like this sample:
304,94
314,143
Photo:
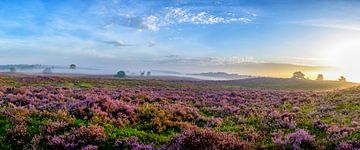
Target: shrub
301,139
206,139
120,74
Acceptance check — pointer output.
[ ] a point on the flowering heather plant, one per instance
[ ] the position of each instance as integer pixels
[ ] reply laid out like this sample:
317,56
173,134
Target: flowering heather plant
133,114
206,139
132,143
301,139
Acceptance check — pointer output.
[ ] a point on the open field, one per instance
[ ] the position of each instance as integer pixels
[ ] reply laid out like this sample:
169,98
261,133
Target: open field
105,113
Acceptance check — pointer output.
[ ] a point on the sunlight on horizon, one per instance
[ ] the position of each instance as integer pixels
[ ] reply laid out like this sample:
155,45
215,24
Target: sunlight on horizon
344,55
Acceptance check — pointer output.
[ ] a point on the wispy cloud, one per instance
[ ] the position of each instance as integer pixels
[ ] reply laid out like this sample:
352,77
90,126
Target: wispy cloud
176,59
117,43
352,25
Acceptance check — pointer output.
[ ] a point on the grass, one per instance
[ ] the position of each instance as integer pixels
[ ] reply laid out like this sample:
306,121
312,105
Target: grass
144,137
286,84
77,85
256,83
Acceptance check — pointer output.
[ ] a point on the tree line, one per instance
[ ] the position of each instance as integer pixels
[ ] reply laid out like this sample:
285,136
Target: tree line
301,76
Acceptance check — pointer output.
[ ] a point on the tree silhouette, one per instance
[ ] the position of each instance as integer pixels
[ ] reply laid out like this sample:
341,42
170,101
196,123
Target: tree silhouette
342,79
120,74
320,77
298,75
12,69
72,66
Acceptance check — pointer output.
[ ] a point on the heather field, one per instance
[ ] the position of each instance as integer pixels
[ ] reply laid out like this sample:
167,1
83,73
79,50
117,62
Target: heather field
105,113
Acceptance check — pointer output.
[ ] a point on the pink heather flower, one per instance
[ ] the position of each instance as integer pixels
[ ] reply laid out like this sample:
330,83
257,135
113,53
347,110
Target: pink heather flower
300,137
354,123
56,140
213,122
279,141
295,109
333,129
275,114
89,147
344,146
318,124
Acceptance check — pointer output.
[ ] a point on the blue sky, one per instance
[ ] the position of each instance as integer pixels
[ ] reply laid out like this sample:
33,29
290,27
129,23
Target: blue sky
139,34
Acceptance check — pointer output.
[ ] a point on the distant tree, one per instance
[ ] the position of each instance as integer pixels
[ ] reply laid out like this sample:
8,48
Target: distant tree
72,66
12,69
148,73
120,74
320,77
342,79
47,71
142,73
298,75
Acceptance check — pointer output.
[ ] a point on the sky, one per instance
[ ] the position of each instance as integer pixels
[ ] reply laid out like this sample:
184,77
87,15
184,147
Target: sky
183,35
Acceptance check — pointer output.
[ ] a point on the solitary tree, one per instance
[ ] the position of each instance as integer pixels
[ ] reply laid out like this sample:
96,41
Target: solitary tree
320,77
72,66
148,73
342,79
12,69
120,74
142,73
298,75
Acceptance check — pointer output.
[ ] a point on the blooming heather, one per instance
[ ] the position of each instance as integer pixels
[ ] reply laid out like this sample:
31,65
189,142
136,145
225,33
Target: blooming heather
63,113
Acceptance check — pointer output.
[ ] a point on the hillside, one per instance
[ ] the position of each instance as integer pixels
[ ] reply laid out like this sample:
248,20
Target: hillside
284,84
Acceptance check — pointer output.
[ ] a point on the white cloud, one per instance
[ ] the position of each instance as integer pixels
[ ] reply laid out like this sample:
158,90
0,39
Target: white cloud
150,22
174,15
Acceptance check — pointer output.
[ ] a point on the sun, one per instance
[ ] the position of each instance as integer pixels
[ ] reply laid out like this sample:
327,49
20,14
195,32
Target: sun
344,54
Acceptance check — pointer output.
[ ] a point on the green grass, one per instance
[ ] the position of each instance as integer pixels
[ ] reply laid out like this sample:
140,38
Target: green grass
144,137
77,85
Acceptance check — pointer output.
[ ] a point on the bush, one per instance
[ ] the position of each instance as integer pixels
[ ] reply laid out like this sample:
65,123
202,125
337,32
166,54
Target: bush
72,66
206,139
301,139
120,74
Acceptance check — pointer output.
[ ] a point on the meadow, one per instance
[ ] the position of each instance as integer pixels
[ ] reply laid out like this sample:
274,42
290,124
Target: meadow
38,112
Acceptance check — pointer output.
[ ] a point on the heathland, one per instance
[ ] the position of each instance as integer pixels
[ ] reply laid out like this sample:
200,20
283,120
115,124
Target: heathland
69,112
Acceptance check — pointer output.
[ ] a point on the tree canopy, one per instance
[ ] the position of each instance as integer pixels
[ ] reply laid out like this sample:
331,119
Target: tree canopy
298,75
